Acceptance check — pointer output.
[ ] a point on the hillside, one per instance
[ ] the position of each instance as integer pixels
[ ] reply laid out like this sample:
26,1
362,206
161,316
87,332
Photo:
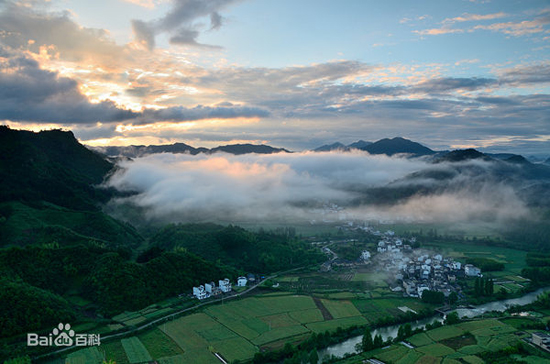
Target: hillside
50,192
50,166
397,146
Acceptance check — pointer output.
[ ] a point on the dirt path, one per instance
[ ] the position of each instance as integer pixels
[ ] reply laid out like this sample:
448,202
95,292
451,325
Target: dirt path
326,315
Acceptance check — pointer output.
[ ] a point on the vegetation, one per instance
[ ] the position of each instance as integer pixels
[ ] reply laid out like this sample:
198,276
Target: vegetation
264,251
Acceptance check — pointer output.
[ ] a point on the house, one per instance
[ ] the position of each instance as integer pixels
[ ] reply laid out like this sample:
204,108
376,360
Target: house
541,339
456,265
365,255
200,292
471,271
225,285
208,287
241,281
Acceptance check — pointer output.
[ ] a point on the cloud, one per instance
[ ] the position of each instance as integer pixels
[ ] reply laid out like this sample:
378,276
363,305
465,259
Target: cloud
31,94
447,84
475,17
29,28
518,29
181,22
290,187
438,31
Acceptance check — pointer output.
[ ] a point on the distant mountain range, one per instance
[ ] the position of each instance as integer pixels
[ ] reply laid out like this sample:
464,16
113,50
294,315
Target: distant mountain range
134,151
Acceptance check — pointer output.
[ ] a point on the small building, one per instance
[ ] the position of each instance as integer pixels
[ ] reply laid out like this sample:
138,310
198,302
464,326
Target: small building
541,339
225,285
365,255
209,287
241,281
456,265
200,292
471,271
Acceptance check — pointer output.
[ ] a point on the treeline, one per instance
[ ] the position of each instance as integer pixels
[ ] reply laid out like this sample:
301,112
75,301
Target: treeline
486,264
263,251
35,278
538,270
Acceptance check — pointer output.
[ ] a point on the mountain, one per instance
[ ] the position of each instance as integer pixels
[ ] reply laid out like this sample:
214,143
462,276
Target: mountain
51,166
135,151
397,146
359,144
50,192
330,147
238,149
461,155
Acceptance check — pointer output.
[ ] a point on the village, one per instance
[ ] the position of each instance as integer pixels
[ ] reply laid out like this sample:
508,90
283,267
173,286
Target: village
409,270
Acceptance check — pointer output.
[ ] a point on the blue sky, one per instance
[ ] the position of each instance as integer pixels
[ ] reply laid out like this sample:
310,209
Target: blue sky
294,74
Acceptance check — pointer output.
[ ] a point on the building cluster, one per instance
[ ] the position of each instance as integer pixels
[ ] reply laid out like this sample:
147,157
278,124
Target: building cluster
416,271
224,286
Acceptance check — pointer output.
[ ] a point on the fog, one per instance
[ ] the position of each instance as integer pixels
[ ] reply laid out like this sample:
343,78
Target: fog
287,187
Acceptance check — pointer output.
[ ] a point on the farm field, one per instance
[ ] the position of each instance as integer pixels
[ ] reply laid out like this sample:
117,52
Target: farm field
514,260
240,328
460,343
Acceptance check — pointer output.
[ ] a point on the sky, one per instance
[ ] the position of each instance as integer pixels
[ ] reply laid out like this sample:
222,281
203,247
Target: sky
292,74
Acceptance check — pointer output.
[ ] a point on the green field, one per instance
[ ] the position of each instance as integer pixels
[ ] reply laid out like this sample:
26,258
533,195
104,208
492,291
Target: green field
341,309
135,350
90,355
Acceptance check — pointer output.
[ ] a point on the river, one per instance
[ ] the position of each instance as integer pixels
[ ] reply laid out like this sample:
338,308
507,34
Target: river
348,346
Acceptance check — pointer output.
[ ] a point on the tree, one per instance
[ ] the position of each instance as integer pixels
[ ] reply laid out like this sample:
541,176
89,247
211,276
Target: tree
378,342
489,287
366,343
313,357
453,297
477,287
452,318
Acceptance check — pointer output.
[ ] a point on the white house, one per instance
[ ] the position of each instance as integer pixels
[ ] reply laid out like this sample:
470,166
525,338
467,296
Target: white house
200,292
241,281
365,255
208,287
456,265
471,271
225,285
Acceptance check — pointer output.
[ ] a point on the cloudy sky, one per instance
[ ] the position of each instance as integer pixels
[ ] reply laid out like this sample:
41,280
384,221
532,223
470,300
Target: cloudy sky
293,74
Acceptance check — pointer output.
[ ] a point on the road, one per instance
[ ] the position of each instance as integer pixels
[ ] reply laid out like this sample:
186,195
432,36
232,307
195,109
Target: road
172,315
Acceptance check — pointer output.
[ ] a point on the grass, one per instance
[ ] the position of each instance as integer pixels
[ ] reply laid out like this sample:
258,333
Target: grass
458,342
444,332
307,316
279,333
334,324
279,320
340,309
436,350
114,351
235,348
85,356
514,260
135,350
158,344
420,340
392,355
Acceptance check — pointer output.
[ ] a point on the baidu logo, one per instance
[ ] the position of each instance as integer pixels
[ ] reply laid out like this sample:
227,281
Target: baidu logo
62,335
